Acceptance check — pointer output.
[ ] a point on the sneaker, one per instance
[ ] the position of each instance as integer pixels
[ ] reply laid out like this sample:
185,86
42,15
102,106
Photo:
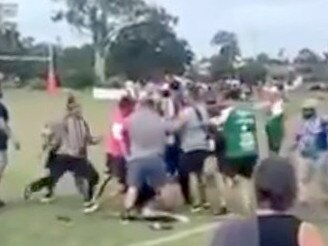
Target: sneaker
206,205
222,211
196,209
91,208
160,226
27,192
2,204
47,199
87,204
125,217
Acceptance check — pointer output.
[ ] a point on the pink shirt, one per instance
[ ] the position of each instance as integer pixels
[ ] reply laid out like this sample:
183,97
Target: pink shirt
116,141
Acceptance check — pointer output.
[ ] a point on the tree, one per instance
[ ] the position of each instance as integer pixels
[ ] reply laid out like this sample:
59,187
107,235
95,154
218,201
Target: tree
14,44
76,66
252,72
223,64
220,68
102,19
228,44
263,58
307,56
149,47
9,41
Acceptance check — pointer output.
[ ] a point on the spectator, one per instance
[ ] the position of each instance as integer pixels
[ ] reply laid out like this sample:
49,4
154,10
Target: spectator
276,190
312,149
5,134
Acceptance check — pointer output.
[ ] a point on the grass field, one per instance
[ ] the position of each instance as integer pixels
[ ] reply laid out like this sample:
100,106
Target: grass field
30,223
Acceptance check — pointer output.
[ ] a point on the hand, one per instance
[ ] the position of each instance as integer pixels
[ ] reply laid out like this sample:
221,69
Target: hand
97,140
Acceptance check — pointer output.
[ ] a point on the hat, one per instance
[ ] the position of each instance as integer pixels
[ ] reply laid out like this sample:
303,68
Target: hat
310,103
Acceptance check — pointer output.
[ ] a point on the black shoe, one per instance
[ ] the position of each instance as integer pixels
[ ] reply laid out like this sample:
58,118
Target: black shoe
222,211
2,204
126,217
27,192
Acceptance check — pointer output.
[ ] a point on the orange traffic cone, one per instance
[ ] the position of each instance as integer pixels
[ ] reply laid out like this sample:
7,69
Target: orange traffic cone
52,83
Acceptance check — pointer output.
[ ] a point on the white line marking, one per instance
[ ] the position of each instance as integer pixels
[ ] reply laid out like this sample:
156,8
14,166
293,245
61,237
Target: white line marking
178,236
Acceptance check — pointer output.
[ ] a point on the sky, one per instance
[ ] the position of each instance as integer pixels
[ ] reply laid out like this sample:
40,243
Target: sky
261,25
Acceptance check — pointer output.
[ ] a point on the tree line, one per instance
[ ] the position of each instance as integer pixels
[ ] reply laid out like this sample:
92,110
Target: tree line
132,39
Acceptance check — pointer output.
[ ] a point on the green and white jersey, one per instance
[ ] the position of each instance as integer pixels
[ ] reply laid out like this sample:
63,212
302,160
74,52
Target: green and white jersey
240,134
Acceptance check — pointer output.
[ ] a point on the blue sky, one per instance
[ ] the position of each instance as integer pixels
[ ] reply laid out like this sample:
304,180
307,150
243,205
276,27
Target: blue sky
261,25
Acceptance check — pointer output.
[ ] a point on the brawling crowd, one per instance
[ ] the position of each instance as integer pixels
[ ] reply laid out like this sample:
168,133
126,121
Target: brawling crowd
164,133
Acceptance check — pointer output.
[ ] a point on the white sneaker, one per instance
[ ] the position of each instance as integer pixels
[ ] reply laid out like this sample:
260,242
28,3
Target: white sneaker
93,207
47,200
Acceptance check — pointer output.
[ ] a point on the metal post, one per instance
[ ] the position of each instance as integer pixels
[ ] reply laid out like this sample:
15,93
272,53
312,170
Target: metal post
262,138
51,64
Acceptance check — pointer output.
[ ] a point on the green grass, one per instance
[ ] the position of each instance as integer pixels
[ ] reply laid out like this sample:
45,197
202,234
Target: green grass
30,223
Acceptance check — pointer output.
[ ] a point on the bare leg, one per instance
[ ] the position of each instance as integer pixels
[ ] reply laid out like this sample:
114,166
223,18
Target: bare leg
130,198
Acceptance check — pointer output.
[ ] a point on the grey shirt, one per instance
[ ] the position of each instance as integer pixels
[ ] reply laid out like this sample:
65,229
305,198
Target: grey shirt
75,136
147,134
194,134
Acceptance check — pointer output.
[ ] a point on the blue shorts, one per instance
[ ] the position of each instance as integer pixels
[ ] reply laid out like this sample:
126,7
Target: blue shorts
150,171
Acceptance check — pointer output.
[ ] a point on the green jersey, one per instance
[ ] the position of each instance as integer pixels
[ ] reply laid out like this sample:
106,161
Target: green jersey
240,134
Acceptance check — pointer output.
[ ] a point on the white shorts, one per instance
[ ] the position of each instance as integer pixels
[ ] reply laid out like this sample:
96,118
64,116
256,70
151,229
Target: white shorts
3,159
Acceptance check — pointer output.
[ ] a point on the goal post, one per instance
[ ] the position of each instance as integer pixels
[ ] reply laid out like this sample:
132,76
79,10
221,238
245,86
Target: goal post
52,83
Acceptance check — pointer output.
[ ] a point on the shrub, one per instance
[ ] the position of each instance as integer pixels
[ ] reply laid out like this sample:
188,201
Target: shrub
116,81
36,84
78,80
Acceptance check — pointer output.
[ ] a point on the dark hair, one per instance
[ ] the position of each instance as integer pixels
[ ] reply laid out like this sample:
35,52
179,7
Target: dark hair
126,101
175,85
71,102
275,182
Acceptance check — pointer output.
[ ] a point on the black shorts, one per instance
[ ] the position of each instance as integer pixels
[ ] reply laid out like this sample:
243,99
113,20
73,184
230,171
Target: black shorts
80,167
193,162
50,158
243,166
117,167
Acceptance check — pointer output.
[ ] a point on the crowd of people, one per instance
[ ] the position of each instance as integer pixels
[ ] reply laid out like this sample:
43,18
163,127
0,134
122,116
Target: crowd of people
164,133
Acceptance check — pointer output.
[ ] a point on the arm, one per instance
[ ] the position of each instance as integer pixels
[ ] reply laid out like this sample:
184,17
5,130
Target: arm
180,121
91,140
309,235
7,129
120,134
